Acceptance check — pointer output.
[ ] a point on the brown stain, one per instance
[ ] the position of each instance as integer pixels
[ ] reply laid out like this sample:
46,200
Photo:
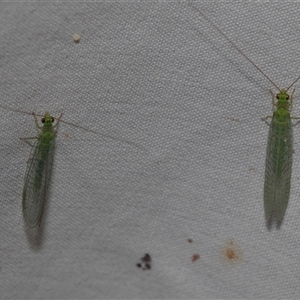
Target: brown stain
195,257
190,240
232,252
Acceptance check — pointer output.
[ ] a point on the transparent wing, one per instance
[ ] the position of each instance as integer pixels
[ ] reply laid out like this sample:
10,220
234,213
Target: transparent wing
278,169
37,179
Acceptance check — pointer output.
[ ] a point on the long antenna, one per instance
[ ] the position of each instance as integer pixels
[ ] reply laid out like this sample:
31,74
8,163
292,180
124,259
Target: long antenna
293,83
27,113
81,127
227,38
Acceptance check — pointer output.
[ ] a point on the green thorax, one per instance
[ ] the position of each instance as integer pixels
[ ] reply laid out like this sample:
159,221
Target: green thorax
47,135
282,113
47,121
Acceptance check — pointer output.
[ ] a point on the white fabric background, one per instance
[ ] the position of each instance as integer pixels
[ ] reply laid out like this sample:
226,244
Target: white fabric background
158,75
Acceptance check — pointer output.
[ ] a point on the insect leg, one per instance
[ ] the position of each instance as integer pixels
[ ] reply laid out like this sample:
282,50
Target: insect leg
28,138
265,119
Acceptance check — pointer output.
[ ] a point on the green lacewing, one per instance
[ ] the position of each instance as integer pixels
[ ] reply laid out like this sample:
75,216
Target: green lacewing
278,166
38,172
39,166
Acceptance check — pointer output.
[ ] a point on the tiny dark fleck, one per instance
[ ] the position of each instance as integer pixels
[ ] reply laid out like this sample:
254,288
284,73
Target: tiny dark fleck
146,258
145,262
195,257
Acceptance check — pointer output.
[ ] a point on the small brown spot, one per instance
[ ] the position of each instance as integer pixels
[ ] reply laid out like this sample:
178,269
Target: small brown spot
195,257
232,252
190,240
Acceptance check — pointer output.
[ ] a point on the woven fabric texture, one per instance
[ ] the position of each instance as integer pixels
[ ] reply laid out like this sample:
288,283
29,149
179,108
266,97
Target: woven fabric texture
176,166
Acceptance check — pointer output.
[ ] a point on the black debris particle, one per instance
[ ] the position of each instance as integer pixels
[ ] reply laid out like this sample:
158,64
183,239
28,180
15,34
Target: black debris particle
145,262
